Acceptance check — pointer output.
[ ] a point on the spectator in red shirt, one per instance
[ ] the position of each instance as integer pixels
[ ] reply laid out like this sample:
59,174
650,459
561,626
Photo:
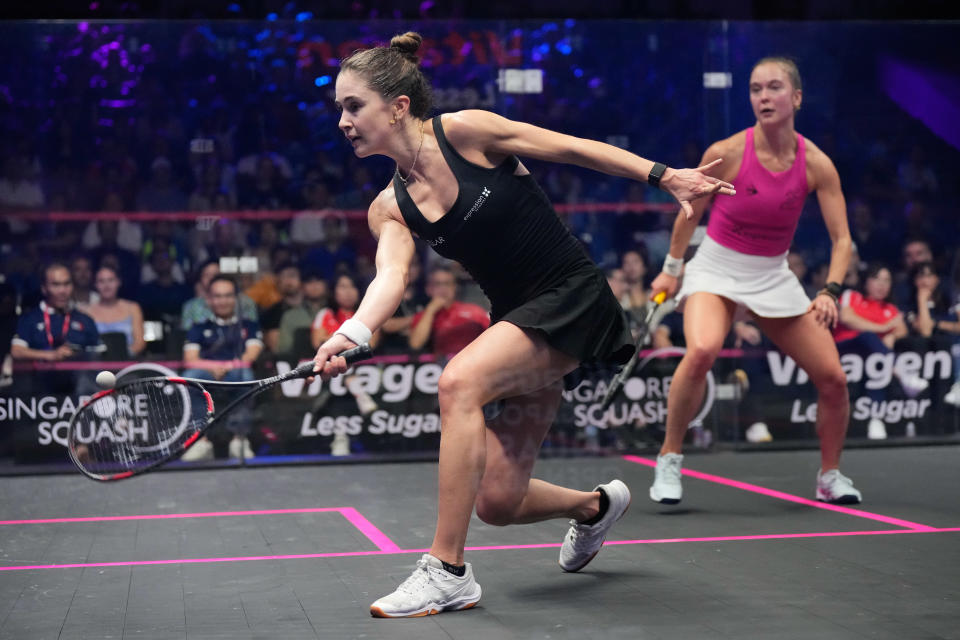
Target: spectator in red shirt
447,324
870,323
343,304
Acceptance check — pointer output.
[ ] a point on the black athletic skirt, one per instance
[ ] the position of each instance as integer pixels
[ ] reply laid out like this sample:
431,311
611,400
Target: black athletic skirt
580,317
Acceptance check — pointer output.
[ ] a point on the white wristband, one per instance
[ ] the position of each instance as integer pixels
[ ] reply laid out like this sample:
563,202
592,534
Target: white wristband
355,331
673,266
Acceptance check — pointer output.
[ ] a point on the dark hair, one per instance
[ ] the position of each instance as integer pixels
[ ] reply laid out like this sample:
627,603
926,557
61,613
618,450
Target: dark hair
446,268
283,266
55,264
394,71
332,285
788,65
202,267
310,274
108,267
939,298
223,278
873,269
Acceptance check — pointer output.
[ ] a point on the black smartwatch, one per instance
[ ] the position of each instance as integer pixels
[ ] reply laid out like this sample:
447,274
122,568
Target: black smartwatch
656,173
834,288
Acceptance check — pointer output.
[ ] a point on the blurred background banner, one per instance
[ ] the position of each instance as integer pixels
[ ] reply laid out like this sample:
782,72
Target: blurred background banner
165,152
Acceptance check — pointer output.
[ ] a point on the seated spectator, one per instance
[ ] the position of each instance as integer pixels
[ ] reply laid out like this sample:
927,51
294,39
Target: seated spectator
315,298
128,235
55,331
446,325
307,228
634,268
266,189
163,297
915,251
934,322
197,308
797,262
81,272
117,315
336,254
289,286
161,193
870,323
164,237
343,304
223,347
396,331
8,329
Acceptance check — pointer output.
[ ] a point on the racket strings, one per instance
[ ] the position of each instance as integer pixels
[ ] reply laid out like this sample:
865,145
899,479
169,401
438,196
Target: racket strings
137,425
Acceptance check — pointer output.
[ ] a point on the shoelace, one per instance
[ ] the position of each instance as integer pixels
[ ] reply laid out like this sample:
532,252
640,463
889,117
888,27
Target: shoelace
581,533
416,581
671,468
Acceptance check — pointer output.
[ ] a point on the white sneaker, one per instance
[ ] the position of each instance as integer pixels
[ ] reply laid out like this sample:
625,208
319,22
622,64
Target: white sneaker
876,429
583,541
912,384
202,449
953,396
666,488
340,445
836,488
240,447
430,589
758,432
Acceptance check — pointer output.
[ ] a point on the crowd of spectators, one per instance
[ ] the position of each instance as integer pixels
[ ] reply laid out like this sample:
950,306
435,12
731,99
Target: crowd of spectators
215,121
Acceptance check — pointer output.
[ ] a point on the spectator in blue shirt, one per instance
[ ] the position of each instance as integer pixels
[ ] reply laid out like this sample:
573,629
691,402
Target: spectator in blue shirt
223,348
55,330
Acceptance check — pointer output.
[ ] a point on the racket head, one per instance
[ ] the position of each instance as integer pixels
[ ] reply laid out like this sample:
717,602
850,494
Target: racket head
137,426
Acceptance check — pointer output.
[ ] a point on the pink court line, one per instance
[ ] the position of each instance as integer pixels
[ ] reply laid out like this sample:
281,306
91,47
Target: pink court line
140,563
353,516
745,486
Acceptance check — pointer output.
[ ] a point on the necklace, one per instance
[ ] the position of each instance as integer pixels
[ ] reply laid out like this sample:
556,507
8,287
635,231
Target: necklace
415,158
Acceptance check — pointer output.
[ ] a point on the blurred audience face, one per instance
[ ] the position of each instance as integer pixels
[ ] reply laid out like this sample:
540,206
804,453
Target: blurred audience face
633,267
81,272
797,264
926,278
346,294
877,285
113,202
57,287
915,252
162,263
315,289
223,299
618,282
107,284
209,272
288,281
442,285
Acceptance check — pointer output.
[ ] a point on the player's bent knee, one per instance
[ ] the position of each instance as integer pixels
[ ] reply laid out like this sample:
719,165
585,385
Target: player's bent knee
497,508
457,384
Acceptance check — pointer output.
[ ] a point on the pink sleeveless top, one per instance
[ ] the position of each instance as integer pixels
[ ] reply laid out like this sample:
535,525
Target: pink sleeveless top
762,218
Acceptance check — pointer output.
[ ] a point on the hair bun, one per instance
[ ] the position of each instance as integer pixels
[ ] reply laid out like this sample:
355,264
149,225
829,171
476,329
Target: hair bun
407,44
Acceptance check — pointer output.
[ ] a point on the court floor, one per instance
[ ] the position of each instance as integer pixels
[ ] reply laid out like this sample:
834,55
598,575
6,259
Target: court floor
300,552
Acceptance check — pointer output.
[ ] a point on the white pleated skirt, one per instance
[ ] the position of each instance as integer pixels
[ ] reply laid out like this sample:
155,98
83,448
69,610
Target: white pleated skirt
762,284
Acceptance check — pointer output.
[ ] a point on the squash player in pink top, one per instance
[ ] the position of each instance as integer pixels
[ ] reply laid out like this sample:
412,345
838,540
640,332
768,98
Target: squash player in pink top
742,262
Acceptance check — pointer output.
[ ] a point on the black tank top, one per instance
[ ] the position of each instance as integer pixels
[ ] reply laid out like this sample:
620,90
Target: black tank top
502,229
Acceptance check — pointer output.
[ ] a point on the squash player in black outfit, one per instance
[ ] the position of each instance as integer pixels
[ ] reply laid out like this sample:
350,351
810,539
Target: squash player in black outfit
459,186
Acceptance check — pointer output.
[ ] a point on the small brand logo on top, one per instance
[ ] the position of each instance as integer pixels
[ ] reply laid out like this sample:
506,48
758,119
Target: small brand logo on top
478,203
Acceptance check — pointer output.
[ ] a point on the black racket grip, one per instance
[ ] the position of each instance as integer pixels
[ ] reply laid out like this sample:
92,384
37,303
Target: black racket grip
363,352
